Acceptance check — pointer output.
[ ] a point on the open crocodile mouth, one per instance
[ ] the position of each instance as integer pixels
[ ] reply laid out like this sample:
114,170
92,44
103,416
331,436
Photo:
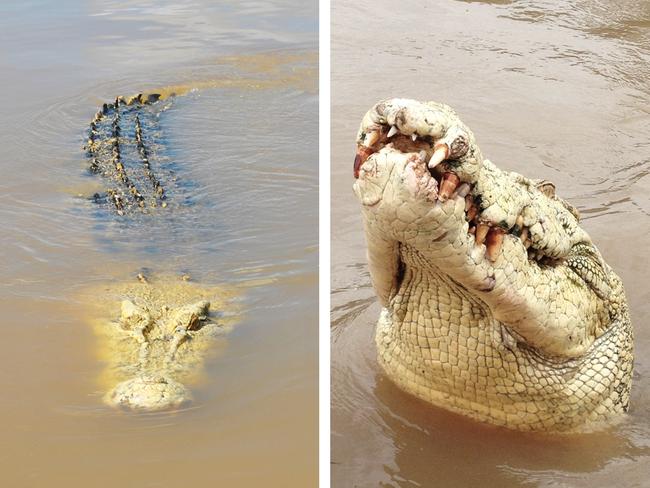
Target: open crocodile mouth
430,169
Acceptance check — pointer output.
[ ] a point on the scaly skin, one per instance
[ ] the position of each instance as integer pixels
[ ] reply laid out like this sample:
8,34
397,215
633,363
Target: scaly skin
497,305
120,150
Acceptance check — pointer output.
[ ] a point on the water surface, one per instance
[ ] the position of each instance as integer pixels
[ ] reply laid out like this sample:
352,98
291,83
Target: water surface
553,89
241,142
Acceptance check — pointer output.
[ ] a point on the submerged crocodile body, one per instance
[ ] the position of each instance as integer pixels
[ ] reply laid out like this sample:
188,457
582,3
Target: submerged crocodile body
155,344
120,146
496,303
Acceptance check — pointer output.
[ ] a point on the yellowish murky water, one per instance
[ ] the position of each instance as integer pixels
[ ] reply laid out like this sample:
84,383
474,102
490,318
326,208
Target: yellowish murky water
552,89
241,146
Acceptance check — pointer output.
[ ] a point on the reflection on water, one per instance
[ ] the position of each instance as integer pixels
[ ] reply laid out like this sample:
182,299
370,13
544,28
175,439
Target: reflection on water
240,145
552,89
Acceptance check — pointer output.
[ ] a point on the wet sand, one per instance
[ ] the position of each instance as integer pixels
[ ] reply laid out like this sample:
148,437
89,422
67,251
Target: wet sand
238,175
552,89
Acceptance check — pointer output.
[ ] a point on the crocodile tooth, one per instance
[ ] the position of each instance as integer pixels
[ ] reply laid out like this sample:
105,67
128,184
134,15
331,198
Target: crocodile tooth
371,138
524,235
448,184
494,241
423,155
363,153
472,212
440,153
393,130
520,221
414,137
472,230
469,203
516,229
462,190
481,232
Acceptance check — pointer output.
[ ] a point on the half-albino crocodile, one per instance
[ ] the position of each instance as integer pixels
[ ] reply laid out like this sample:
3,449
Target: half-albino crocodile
154,335
155,344
496,303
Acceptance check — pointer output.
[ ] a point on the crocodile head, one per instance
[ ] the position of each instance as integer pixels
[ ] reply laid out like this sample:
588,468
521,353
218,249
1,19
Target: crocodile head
166,339
155,335
435,208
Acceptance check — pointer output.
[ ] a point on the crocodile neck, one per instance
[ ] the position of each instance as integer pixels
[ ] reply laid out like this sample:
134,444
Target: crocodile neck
441,344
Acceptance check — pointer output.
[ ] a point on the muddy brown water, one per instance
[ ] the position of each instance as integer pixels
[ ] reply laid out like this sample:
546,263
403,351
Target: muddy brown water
242,142
553,89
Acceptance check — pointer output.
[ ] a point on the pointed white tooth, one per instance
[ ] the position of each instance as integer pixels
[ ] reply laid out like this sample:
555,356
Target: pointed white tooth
439,155
393,130
371,138
482,230
423,155
414,137
463,190
494,242
520,221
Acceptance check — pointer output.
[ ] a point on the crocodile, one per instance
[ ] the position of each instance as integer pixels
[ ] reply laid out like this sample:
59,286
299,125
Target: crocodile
155,333
496,304
155,344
